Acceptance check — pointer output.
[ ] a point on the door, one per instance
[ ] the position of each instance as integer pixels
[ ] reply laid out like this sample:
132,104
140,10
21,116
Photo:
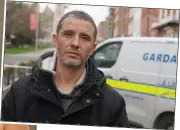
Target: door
167,82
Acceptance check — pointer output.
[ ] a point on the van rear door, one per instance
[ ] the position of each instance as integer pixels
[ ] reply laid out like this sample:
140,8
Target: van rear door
138,65
167,82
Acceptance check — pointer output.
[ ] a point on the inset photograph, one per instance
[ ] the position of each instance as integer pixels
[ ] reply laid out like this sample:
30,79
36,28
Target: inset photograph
90,65
7,126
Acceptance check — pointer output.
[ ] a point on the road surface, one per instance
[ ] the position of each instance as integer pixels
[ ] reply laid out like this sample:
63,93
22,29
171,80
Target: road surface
18,58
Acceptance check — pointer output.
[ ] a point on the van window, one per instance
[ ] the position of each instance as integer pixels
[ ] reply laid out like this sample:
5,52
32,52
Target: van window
106,56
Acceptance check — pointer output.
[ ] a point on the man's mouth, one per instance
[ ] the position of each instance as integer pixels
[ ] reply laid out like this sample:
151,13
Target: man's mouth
74,55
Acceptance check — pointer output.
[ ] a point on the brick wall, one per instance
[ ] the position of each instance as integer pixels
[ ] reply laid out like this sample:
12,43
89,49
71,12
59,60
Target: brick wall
149,16
121,21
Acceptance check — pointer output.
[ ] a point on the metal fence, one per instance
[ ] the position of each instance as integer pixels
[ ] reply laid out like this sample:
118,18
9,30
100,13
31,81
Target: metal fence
12,73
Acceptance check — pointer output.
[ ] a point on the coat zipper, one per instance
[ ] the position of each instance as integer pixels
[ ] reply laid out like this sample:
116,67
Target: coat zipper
79,96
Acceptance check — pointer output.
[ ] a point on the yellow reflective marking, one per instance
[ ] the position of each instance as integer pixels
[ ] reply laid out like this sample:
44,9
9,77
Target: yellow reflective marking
142,88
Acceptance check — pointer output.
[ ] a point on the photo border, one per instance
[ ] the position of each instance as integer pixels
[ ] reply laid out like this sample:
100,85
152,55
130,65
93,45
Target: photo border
163,6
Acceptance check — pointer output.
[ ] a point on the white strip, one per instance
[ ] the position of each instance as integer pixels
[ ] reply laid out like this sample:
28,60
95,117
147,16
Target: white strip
145,73
17,66
2,58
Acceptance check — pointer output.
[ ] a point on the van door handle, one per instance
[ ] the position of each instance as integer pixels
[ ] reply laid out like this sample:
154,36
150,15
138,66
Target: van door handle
124,79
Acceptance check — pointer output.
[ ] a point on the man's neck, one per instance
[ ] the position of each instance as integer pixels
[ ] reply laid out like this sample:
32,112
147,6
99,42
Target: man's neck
66,78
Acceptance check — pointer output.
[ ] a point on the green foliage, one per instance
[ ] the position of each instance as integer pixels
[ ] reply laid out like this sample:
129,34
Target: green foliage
18,50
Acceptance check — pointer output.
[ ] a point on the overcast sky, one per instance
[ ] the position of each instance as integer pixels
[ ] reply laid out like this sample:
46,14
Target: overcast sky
98,13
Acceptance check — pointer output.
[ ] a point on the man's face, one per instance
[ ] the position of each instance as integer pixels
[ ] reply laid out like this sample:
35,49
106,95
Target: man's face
75,42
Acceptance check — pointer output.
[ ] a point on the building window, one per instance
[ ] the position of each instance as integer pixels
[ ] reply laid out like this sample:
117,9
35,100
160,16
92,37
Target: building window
116,18
145,24
177,34
165,13
131,12
160,13
116,10
169,12
174,12
130,28
177,14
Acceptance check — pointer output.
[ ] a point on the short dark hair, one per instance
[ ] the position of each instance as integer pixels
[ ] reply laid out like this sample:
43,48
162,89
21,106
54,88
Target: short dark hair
78,15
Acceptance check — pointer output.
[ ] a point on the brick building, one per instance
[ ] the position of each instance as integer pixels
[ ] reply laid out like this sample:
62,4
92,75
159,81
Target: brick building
142,22
148,17
134,21
120,21
102,29
168,23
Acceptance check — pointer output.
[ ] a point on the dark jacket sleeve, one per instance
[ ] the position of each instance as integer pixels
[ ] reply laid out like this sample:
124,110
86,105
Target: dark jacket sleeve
120,118
8,106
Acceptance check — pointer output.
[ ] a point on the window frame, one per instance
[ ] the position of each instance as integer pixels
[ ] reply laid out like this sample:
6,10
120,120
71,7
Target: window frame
119,43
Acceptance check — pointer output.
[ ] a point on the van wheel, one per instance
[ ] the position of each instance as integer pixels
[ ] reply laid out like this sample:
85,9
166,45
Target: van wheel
166,122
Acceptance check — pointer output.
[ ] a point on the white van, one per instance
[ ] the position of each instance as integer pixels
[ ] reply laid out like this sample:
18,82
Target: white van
143,71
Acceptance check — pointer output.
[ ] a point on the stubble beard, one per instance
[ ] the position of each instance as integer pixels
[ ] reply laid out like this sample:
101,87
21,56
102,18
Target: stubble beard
70,63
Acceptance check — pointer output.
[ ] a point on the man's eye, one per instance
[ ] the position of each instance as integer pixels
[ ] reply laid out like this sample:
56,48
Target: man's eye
68,34
85,38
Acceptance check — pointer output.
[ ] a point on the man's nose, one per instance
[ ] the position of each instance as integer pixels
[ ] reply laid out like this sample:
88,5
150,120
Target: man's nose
75,42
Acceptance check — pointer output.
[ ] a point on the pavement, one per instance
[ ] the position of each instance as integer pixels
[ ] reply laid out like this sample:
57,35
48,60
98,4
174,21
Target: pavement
12,59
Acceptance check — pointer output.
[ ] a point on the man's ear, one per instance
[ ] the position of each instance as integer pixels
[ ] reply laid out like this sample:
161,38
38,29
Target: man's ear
93,48
54,37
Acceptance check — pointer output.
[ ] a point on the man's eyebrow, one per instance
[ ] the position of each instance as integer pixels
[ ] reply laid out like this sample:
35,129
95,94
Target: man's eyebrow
83,33
86,34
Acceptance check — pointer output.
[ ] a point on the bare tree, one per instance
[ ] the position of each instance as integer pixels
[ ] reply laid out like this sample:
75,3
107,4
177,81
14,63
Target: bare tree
18,22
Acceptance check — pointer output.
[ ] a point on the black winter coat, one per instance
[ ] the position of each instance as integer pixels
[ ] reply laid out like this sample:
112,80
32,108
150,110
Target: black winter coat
34,99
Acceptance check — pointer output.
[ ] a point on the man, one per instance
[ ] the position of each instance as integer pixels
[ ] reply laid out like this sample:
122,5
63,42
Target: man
65,87
14,127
